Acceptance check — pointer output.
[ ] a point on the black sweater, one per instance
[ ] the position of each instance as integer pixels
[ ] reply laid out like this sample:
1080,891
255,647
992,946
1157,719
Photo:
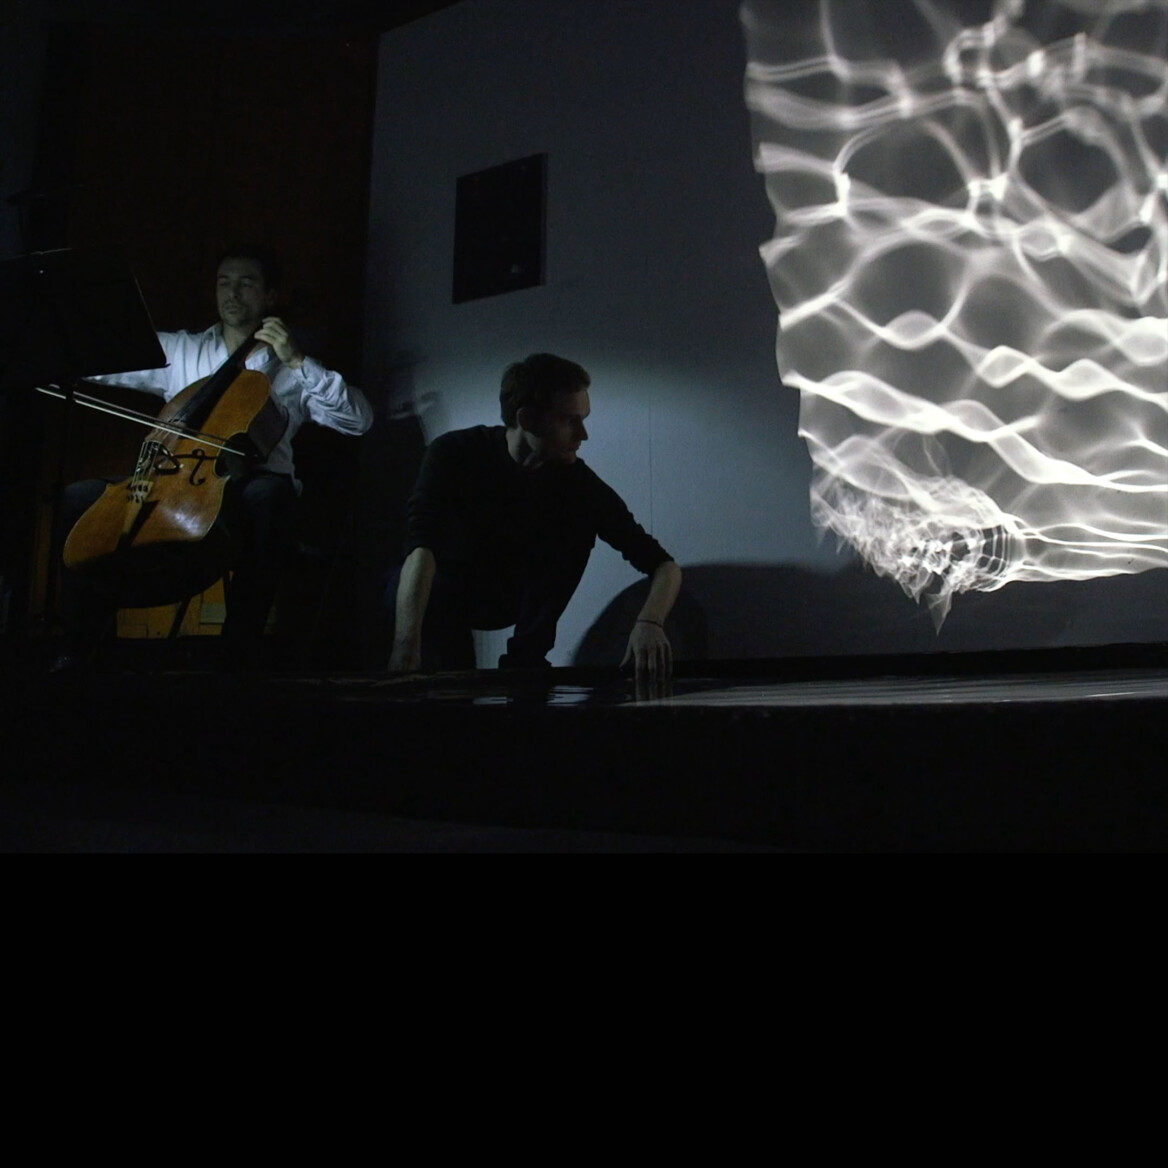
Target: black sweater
477,509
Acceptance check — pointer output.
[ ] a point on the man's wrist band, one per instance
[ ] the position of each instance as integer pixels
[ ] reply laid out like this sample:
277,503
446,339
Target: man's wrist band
645,621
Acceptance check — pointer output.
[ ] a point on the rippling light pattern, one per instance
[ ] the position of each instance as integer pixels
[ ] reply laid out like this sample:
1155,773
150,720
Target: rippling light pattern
970,266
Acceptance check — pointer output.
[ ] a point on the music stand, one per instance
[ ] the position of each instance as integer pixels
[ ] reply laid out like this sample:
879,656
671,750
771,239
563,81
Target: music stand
66,315
70,314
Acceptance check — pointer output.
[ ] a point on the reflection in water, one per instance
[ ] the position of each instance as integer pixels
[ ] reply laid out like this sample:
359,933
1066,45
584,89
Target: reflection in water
543,695
971,264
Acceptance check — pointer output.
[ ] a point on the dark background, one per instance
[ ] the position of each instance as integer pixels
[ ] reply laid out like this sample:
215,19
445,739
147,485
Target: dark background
167,130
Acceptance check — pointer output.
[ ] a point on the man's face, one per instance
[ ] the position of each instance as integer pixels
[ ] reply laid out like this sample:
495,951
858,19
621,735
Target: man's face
559,431
242,296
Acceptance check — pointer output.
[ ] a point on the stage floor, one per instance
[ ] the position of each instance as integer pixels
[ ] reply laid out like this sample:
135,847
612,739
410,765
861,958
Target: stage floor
894,755
490,688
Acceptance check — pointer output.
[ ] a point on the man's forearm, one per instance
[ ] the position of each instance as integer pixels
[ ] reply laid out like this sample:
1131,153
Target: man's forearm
663,590
413,595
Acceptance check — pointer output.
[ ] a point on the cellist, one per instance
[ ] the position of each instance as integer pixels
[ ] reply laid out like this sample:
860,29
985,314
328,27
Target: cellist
261,510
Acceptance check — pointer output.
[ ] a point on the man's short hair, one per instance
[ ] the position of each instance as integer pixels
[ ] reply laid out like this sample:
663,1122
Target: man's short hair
269,263
531,384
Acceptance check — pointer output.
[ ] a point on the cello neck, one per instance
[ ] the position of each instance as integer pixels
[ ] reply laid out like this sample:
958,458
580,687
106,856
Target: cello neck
216,385
236,359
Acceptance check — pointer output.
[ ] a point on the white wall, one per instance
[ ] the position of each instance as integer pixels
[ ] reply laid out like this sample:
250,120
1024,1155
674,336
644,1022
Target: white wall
654,281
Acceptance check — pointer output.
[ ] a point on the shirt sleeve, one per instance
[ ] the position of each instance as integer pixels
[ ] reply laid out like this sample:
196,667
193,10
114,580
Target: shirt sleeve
617,527
429,512
330,401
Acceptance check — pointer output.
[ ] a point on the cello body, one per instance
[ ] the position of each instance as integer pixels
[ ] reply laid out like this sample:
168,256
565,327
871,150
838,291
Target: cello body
153,538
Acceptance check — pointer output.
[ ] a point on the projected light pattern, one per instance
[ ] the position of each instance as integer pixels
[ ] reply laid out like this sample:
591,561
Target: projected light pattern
971,267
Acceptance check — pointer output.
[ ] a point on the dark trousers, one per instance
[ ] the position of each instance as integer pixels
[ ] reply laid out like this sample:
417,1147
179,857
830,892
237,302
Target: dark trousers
531,596
259,515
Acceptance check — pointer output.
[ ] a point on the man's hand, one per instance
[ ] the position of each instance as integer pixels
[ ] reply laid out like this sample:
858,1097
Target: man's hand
405,658
649,647
652,658
276,333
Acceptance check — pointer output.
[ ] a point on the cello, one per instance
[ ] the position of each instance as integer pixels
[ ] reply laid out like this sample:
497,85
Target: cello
153,538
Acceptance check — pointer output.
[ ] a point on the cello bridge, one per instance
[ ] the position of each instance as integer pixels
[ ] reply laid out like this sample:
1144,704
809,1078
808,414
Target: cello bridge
154,458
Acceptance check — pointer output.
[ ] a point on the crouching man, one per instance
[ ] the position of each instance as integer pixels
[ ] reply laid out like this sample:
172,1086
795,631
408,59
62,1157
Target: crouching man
501,524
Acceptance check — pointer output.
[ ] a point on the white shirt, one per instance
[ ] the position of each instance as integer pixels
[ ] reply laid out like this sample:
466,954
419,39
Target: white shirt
310,393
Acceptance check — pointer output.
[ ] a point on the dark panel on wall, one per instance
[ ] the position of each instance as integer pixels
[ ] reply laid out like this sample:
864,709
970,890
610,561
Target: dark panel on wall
499,229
